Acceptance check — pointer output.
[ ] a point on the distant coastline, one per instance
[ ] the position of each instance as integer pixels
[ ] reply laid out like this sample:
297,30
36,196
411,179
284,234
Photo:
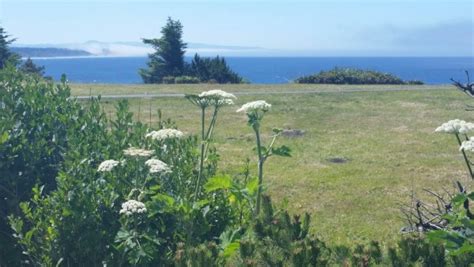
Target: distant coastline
49,52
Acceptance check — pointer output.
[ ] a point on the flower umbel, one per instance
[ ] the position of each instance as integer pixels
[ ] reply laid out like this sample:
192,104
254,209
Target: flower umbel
137,152
107,165
215,98
164,134
255,106
455,127
217,94
157,166
132,207
468,145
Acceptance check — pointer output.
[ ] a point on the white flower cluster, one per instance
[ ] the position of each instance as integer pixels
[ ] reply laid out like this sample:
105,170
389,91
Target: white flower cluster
157,166
217,94
455,126
223,98
107,165
137,152
164,134
259,105
468,145
132,207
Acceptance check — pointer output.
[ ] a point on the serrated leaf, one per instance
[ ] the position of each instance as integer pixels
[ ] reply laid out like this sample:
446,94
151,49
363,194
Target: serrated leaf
218,183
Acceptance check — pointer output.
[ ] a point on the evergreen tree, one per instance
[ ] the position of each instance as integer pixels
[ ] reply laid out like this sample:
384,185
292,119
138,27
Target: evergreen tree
168,58
30,67
6,56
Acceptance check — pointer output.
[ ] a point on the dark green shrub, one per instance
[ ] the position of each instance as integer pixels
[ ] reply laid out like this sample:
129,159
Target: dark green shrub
352,76
415,82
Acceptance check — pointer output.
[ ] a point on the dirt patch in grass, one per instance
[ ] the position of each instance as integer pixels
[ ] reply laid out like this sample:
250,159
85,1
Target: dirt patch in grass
338,160
293,133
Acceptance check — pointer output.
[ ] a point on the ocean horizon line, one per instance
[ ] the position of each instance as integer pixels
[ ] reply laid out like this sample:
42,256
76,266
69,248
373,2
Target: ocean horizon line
234,56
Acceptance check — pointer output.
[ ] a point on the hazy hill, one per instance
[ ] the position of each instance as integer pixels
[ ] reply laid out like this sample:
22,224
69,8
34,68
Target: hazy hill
48,52
98,48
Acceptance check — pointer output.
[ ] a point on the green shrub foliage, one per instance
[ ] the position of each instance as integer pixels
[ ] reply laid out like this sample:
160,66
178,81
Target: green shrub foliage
353,76
36,119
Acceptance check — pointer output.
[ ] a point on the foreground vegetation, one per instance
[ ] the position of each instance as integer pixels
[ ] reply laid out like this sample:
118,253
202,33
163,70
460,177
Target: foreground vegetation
82,184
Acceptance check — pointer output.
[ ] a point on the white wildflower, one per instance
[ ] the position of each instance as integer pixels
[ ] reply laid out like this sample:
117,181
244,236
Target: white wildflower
468,145
157,166
137,152
164,134
225,102
107,165
455,126
217,94
132,207
255,106
215,97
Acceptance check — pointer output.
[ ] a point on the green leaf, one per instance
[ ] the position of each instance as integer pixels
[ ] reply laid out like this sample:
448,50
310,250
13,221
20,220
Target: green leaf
471,196
230,249
3,137
218,183
466,249
469,224
459,199
451,240
252,186
282,151
169,201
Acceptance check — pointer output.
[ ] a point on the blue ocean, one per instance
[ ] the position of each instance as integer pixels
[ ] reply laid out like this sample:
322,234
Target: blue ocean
265,70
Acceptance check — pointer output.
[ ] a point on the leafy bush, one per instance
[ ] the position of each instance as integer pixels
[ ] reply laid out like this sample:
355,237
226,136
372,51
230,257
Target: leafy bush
353,76
36,119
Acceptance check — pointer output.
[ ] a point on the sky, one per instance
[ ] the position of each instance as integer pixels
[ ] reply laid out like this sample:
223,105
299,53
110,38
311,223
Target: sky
284,27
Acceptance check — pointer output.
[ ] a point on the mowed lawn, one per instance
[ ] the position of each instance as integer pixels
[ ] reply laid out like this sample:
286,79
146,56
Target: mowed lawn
387,140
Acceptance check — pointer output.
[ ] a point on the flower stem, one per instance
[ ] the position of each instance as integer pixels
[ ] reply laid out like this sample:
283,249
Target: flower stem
261,160
206,136
468,164
201,159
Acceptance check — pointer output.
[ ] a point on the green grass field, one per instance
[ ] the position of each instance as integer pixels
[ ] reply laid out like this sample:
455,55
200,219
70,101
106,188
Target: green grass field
387,138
